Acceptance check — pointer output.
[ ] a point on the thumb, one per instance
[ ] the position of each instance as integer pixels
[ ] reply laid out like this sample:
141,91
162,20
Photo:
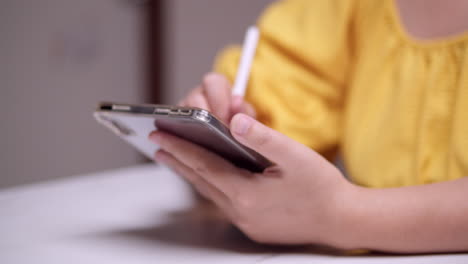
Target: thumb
271,144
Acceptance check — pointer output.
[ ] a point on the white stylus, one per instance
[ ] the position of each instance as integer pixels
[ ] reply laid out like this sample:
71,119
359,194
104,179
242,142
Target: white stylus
248,53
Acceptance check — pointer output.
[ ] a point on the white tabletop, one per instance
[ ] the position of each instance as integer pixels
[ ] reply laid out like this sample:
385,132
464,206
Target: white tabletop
139,215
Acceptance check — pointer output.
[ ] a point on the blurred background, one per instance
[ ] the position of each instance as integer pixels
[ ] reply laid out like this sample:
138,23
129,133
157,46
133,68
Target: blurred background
59,58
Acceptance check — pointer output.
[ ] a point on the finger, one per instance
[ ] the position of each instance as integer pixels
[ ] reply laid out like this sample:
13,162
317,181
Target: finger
184,101
249,110
236,105
203,187
217,90
197,99
214,169
239,105
273,145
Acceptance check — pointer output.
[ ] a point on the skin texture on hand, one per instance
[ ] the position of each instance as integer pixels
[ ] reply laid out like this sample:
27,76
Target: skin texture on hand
415,219
304,199
293,202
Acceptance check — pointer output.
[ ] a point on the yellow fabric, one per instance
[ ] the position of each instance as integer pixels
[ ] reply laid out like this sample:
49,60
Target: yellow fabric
345,74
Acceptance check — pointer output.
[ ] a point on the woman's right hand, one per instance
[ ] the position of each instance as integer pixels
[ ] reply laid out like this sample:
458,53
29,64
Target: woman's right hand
214,95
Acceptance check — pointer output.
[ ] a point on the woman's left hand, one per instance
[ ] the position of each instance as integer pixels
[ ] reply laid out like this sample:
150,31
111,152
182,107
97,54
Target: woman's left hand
299,200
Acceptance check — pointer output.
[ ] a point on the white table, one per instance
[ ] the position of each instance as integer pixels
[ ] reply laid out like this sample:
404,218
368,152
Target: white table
139,215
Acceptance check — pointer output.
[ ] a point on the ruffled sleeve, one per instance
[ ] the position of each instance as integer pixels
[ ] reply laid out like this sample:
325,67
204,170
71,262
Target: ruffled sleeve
301,68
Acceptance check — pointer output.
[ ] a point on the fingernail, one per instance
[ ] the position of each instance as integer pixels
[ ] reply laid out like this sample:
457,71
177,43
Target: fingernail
241,124
155,137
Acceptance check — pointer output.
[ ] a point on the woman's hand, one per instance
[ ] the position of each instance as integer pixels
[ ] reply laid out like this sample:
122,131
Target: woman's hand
299,200
214,95
304,199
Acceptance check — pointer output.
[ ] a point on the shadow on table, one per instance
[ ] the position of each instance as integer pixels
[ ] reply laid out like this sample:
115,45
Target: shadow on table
204,228
200,227
185,229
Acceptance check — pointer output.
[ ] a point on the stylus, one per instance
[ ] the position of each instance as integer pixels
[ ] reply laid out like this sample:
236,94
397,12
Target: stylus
248,53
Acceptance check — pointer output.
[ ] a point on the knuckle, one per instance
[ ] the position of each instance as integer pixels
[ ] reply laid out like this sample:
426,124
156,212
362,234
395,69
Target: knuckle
200,168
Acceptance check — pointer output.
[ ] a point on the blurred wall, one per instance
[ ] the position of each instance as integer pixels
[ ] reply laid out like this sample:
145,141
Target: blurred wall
58,58
195,31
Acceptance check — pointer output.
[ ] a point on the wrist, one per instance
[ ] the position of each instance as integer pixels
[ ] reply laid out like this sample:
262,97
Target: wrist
343,217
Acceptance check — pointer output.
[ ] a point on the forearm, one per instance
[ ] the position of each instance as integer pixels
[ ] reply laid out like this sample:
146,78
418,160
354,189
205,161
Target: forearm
426,218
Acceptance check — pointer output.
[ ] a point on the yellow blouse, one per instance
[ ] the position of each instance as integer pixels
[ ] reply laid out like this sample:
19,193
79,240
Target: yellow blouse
338,74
